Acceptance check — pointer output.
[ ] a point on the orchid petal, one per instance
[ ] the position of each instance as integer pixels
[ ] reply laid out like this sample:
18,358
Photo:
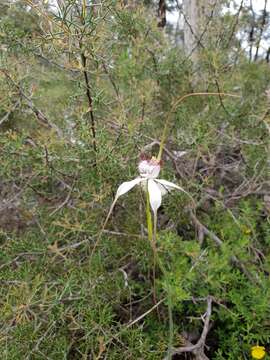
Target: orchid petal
154,195
126,186
122,189
162,188
169,186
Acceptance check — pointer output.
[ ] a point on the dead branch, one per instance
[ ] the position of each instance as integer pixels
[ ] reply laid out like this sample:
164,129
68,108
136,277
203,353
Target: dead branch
65,202
6,116
43,119
89,99
234,25
198,348
24,254
11,200
264,16
144,314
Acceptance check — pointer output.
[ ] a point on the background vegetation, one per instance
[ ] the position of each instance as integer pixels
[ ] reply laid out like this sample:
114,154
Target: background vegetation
84,89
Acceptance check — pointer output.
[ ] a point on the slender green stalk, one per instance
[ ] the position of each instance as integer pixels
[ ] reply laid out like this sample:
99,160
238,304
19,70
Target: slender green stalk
164,136
152,232
154,242
154,239
84,10
169,296
149,218
152,236
166,128
154,247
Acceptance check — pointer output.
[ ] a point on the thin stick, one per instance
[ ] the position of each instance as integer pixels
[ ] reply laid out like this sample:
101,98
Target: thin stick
199,346
90,101
235,261
43,119
146,313
170,347
103,227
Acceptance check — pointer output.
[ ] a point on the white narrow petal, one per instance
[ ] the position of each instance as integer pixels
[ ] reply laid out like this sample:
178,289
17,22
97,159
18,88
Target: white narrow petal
126,186
154,195
162,188
170,186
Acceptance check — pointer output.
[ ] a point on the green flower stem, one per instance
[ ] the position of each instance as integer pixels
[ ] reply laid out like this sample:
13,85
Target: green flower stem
152,236
154,246
84,10
149,218
170,306
154,239
152,232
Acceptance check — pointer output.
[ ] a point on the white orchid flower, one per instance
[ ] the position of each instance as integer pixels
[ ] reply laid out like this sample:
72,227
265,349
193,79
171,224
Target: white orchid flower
149,170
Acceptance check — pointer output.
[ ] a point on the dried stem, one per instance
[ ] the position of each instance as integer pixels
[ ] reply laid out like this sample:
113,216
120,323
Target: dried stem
90,101
40,116
198,348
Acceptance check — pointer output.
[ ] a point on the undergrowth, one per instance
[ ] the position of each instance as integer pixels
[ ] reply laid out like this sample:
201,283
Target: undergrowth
61,300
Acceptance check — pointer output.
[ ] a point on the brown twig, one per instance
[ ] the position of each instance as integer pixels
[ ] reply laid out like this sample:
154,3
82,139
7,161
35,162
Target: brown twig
9,201
144,314
90,101
198,348
6,116
43,119
65,202
234,25
24,254
116,90
264,16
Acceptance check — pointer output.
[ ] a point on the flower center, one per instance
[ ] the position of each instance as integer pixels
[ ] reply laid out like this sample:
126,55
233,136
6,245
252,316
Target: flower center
149,168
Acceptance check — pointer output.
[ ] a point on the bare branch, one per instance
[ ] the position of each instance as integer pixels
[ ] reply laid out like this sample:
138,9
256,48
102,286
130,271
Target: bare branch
198,348
261,30
6,116
43,120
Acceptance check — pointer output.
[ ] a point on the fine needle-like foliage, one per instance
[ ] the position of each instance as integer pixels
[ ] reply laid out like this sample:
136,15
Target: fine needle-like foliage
107,256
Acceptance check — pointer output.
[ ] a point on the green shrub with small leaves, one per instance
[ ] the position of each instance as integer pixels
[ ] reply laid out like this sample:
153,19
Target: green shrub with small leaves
70,291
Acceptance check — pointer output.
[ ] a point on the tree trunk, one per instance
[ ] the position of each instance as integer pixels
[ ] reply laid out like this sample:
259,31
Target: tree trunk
198,15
